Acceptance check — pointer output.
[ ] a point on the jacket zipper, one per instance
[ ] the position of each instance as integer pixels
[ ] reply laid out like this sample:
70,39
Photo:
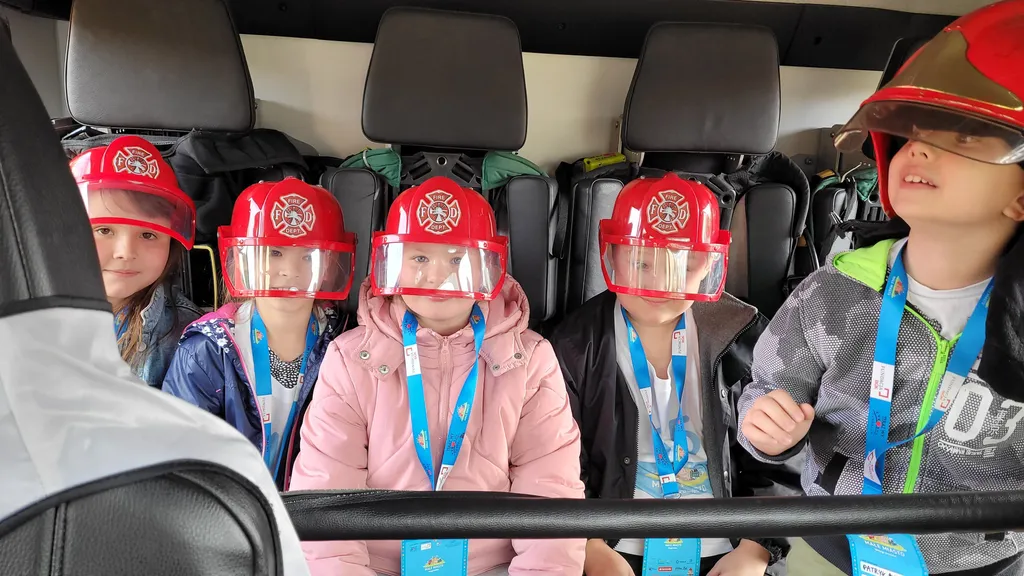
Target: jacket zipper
252,388
934,379
714,381
942,348
444,391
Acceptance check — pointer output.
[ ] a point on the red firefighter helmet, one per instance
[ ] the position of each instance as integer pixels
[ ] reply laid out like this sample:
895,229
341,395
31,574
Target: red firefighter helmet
287,239
663,241
962,92
441,240
128,182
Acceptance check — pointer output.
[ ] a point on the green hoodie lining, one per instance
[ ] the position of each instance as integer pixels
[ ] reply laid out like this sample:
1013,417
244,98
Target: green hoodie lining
870,266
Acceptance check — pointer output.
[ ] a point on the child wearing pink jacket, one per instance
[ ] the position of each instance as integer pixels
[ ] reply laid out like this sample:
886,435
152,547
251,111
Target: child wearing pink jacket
441,387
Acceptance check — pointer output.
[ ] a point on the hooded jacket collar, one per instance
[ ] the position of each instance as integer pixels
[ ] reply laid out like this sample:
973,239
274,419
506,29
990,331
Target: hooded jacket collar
507,316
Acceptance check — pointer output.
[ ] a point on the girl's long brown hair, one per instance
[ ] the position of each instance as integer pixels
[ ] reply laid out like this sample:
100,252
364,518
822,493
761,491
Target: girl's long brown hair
129,342
148,206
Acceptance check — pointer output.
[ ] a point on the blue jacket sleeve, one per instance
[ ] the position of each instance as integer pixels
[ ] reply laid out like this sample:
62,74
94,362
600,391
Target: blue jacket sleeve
196,374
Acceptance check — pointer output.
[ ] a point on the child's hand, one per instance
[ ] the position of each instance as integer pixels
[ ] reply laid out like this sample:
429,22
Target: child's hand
602,560
748,559
775,423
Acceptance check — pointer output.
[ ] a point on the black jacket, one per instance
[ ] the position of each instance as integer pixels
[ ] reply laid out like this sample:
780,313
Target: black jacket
608,417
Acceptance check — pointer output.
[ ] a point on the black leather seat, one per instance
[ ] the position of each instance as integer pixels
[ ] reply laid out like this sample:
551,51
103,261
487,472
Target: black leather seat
704,115
444,89
901,52
837,203
100,473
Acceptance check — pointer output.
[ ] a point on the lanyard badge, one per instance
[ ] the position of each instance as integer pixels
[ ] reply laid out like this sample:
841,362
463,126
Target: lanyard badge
418,406
438,557
265,389
666,556
669,462
121,323
899,553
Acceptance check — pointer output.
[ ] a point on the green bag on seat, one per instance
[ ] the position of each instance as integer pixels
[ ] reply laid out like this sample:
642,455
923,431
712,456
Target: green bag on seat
383,161
500,167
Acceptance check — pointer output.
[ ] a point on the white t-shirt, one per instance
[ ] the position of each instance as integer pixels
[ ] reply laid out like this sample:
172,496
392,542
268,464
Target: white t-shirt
281,402
693,478
950,308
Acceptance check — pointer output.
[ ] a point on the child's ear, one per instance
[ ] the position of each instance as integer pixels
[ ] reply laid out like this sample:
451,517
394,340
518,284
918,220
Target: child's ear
1015,210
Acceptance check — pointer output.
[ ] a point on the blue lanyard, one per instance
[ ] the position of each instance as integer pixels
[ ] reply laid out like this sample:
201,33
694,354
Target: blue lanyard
668,466
121,323
264,387
966,351
418,405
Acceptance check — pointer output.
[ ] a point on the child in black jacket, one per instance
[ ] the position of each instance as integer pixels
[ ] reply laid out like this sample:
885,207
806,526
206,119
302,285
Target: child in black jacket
652,396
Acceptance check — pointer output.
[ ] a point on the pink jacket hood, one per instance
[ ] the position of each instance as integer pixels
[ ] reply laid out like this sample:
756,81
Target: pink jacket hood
521,436
507,317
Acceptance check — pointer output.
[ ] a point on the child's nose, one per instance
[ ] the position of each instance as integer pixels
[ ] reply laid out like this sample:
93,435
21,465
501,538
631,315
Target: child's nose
124,248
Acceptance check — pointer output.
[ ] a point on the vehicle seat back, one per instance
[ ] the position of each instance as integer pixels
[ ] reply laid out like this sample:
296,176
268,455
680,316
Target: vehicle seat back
134,523
832,205
705,117
101,474
364,197
447,91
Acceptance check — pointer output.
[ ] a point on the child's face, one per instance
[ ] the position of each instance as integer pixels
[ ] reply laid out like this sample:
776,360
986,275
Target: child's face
291,268
651,311
131,257
928,185
444,267
660,269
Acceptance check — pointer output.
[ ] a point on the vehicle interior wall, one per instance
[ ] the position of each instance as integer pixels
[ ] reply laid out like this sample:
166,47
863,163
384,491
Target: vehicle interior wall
35,40
949,7
312,90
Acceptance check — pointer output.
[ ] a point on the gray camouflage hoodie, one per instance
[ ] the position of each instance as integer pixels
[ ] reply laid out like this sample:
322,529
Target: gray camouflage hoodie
819,348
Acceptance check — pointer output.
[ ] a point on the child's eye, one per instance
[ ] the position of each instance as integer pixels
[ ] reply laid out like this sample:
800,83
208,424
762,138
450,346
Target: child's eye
965,139
103,231
456,260
149,236
640,265
275,253
421,259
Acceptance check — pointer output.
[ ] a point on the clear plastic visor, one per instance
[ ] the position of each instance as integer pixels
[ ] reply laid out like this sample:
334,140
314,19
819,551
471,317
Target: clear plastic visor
664,272
426,269
140,206
253,270
970,136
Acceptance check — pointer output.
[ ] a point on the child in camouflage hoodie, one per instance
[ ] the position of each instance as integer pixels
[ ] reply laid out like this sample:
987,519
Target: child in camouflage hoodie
894,331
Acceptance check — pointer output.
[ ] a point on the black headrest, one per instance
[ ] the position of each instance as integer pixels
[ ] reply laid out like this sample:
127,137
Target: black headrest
704,88
47,255
446,80
168,65
901,52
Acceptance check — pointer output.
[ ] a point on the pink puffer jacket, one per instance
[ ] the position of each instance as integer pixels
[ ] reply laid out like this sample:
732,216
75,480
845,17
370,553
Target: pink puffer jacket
521,438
